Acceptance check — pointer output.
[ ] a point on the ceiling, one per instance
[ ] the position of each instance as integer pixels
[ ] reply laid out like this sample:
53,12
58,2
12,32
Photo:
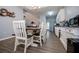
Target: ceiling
42,9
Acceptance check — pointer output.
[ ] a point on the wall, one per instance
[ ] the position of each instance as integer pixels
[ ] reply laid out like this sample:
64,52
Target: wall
6,26
71,11
43,22
31,17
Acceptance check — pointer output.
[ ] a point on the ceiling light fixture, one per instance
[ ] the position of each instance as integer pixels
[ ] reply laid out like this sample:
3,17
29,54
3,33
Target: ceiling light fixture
50,13
37,7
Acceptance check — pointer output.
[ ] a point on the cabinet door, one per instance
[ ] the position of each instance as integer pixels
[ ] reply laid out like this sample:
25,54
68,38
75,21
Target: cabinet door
57,31
63,39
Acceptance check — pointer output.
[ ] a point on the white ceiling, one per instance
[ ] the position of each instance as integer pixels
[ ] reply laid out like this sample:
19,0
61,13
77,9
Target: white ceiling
42,10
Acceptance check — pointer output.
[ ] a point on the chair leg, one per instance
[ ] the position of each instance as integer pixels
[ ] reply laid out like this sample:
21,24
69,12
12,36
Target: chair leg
40,42
25,48
15,46
32,41
44,39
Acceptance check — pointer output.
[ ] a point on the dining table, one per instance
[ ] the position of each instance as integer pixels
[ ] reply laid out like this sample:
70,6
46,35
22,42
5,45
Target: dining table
33,28
33,31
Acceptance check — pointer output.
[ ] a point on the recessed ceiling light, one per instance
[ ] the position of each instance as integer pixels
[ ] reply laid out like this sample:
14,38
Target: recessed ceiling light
36,7
50,13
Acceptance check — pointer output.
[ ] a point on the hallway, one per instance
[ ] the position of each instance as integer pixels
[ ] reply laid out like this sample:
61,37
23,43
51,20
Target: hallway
52,45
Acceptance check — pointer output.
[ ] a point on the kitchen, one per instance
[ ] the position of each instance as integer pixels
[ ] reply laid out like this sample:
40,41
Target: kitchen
58,21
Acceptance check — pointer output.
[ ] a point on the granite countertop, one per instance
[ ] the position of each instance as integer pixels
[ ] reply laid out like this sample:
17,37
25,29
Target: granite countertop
67,26
71,34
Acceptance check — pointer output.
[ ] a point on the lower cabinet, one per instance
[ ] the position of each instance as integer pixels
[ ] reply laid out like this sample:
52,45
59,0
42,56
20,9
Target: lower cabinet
64,35
57,31
63,39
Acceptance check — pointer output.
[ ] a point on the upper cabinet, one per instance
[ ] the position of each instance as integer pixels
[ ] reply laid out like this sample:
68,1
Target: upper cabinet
61,16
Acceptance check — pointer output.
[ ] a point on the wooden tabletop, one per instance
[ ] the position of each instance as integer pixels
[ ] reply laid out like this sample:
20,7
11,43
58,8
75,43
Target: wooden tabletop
33,28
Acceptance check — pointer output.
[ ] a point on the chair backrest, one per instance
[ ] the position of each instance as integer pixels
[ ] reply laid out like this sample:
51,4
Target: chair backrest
19,28
42,30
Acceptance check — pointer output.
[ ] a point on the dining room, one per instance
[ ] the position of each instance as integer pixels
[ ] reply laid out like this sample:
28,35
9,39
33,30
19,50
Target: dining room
25,30
39,29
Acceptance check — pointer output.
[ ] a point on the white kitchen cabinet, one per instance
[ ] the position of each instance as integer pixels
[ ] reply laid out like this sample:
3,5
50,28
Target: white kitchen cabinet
66,33
63,39
57,31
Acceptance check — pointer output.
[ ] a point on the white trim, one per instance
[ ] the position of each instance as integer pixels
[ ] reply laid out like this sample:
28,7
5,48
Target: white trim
7,38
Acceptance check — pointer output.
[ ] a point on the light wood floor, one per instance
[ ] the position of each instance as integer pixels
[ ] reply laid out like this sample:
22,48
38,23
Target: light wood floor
52,45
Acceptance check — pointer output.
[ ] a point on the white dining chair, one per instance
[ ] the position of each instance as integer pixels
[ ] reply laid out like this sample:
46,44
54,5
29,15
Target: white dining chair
44,35
38,37
43,32
21,36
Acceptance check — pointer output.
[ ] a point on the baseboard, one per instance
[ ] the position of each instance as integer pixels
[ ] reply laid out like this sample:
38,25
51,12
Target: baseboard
7,38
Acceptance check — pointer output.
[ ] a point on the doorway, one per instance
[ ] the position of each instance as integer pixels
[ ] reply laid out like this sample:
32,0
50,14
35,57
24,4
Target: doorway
50,21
